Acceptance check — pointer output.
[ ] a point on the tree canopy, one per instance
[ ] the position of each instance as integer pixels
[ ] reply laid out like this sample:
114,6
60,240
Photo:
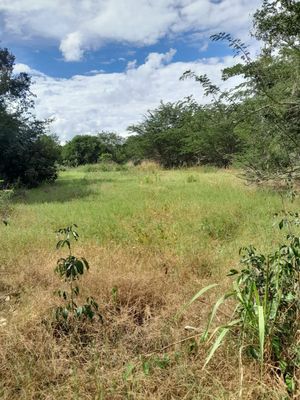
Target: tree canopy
28,155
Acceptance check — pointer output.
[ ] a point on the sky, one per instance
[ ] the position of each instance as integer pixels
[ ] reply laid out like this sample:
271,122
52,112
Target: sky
101,64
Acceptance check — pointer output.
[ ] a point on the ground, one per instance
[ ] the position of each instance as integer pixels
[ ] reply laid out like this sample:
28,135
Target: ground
153,239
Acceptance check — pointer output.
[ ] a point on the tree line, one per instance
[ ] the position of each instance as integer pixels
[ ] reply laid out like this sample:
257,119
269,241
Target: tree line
255,125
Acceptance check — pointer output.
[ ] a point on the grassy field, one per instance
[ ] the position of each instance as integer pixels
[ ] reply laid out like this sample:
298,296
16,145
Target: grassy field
154,236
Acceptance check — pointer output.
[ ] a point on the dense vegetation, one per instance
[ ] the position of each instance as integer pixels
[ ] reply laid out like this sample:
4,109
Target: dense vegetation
28,155
256,123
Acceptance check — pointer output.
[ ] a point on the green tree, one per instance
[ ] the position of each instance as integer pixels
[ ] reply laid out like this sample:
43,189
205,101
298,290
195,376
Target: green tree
163,131
265,107
21,134
185,133
112,144
82,149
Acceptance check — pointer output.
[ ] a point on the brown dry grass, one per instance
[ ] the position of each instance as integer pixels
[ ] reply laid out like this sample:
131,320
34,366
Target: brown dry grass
91,362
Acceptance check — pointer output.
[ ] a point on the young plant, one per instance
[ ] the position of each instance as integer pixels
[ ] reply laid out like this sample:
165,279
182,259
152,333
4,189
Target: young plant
71,268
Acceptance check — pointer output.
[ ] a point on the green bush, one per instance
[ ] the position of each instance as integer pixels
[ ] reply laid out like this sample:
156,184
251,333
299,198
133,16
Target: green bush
265,321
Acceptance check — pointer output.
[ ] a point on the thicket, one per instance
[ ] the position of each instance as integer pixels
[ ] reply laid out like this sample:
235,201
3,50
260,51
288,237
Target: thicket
28,154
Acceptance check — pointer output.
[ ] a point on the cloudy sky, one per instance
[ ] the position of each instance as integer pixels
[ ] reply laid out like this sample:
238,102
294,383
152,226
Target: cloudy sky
101,64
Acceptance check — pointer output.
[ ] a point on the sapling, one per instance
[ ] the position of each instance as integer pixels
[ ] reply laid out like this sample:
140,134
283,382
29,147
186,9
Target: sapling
71,268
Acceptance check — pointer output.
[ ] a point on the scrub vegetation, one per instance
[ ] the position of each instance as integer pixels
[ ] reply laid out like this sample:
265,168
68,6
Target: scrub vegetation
152,239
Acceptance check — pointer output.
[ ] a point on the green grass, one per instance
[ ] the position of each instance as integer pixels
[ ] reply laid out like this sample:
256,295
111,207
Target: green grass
137,229
125,207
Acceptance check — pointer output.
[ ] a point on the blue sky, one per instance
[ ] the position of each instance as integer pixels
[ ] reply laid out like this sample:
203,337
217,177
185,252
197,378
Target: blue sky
112,57
101,64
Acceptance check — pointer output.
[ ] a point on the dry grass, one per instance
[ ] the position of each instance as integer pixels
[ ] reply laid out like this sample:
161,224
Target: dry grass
137,352
148,166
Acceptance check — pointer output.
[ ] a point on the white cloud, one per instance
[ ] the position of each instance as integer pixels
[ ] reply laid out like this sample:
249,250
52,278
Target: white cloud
25,68
87,104
77,26
71,47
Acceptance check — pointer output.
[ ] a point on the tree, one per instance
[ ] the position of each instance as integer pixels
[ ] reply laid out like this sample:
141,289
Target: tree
266,105
163,131
21,134
82,149
185,133
112,144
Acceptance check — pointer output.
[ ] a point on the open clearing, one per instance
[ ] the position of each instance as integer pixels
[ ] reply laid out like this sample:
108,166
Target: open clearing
153,238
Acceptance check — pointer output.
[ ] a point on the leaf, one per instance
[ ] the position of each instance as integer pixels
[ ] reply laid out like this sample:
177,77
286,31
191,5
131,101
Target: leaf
79,311
85,263
65,313
261,327
281,224
212,315
232,272
223,332
216,345
76,290
79,266
290,383
194,298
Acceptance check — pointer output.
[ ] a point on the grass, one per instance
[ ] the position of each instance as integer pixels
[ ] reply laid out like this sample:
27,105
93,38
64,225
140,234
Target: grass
153,238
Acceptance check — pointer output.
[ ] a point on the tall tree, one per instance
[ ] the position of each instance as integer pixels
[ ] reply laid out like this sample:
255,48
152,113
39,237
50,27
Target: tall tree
20,132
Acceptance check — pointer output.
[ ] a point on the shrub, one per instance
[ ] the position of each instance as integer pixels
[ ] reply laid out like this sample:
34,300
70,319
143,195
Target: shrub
267,301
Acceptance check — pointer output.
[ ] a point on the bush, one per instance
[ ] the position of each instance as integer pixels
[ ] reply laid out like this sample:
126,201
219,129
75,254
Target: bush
266,295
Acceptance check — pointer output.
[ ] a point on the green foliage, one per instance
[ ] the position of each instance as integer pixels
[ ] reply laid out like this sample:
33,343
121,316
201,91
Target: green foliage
70,269
184,133
87,149
82,149
28,155
191,179
267,302
263,111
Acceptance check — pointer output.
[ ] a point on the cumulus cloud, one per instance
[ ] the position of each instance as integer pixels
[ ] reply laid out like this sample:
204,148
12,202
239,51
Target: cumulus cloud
77,26
71,47
113,101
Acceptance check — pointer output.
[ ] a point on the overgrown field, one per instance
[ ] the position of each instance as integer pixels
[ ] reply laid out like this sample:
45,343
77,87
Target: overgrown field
153,238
